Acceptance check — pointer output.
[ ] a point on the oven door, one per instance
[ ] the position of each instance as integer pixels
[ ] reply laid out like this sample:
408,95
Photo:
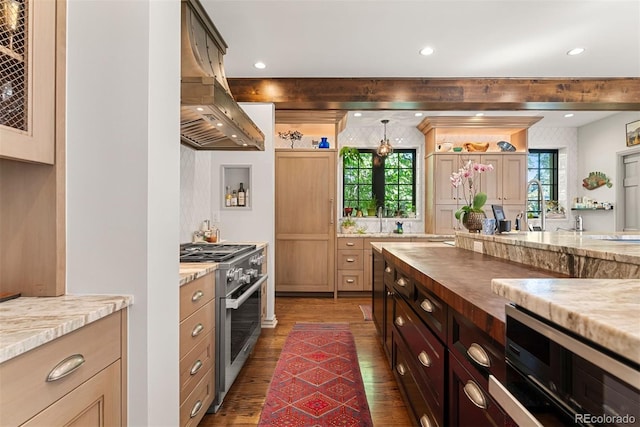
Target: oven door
240,328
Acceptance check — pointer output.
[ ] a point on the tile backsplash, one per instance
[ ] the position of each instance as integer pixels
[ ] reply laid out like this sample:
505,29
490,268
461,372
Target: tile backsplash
195,191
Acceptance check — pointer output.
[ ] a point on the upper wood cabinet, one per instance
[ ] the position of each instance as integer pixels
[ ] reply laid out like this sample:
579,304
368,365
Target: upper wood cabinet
305,197
505,185
28,40
32,130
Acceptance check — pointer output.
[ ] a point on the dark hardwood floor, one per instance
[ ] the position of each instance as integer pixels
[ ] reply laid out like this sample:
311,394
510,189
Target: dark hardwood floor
243,403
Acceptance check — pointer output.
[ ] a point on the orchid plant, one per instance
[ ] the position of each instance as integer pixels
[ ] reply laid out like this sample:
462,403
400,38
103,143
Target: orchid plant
467,177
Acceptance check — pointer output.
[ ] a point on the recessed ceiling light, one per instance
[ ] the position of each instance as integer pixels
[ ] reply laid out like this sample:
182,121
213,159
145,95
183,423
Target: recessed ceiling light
479,114
426,51
418,114
575,51
234,135
569,115
260,65
199,108
357,114
219,124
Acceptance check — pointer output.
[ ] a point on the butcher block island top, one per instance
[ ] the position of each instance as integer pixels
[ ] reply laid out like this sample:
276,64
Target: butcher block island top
462,279
29,322
602,311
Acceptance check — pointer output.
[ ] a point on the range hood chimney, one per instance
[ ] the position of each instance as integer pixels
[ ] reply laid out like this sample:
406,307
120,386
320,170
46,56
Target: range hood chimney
210,119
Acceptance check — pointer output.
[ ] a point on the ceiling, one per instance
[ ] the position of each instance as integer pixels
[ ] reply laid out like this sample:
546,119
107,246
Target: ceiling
471,38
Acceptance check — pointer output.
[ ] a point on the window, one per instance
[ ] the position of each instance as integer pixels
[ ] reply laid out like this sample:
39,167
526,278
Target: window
543,166
380,181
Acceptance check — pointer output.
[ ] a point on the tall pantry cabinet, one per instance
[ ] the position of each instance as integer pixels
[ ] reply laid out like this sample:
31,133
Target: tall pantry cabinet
305,220
506,185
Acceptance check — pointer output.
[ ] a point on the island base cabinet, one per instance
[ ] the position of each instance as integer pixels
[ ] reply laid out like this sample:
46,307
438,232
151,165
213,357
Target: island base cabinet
469,403
412,388
95,403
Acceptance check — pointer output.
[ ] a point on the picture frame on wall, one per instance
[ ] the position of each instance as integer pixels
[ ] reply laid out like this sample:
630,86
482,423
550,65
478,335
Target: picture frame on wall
633,133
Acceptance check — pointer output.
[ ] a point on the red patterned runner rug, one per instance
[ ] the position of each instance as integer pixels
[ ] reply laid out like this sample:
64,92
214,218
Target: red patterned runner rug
317,381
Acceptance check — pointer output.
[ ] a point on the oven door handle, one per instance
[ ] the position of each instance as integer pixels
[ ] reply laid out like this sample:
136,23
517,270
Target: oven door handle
510,404
235,303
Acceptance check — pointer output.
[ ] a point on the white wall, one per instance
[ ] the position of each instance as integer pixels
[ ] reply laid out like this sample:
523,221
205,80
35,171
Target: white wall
201,193
600,145
122,182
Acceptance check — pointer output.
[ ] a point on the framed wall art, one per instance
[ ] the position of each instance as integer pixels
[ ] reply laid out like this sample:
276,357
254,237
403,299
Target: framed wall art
633,133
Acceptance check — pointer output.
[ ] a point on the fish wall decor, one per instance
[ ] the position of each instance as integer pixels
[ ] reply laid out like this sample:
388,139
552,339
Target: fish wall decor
595,180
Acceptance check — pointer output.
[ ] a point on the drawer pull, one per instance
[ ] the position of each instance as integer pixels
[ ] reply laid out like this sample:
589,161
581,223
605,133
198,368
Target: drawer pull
399,321
196,367
351,260
427,305
424,359
196,408
401,369
425,421
66,367
197,295
350,280
475,395
479,355
350,244
197,330
387,269
401,282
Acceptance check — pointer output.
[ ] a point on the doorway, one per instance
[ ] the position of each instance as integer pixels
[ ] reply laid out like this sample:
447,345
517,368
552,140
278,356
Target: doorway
631,192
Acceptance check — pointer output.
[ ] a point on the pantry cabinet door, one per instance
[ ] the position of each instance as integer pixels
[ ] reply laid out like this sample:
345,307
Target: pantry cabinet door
305,220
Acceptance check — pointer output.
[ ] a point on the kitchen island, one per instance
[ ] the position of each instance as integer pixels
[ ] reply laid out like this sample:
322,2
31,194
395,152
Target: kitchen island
448,303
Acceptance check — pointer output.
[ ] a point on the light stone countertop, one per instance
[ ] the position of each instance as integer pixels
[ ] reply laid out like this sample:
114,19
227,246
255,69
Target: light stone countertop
600,310
28,322
435,237
588,244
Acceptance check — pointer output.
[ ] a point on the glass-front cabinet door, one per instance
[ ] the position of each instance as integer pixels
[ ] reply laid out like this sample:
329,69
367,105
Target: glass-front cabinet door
28,79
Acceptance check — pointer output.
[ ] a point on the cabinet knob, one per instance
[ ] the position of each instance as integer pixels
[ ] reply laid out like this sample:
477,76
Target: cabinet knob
427,305
401,282
401,369
197,295
475,395
424,358
197,330
387,270
399,321
196,367
65,367
389,293
479,355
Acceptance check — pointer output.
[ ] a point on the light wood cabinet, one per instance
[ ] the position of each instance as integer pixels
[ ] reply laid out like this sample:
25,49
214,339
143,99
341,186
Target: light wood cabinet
32,158
92,392
28,80
505,185
305,195
197,349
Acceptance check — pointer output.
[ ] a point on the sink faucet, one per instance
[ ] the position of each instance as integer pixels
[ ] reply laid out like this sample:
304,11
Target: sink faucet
380,217
543,215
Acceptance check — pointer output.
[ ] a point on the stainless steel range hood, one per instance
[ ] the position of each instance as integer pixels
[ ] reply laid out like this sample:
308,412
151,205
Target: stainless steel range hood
210,119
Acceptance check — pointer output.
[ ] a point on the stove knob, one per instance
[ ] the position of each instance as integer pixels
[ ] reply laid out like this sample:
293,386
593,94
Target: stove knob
231,274
244,279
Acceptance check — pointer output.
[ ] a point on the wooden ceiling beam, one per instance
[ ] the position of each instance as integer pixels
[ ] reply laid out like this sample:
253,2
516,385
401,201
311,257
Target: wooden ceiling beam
608,94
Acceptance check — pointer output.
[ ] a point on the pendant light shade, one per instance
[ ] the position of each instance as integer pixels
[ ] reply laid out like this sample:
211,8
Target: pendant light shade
385,148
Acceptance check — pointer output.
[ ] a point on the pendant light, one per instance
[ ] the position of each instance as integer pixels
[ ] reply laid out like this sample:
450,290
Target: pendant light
385,148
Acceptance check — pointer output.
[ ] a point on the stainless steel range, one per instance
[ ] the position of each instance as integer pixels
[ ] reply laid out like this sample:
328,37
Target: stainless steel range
238,305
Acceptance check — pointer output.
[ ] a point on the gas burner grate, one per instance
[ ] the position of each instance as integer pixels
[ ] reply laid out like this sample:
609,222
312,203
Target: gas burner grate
212,252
